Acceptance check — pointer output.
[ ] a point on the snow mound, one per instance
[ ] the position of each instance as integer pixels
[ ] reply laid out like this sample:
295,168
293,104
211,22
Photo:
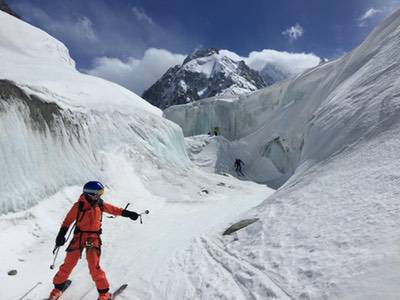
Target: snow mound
41,65
210,153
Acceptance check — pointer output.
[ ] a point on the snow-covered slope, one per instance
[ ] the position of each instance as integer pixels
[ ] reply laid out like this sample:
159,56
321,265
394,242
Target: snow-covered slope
60,128
332,230
210,153
203,74
52,116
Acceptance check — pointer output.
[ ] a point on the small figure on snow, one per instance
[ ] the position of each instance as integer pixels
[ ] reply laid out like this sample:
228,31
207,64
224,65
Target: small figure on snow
238,166
216,130
87,213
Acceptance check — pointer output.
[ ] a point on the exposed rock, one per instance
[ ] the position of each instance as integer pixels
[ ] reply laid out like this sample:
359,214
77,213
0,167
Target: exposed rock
4,7
239,225
12,272
42,114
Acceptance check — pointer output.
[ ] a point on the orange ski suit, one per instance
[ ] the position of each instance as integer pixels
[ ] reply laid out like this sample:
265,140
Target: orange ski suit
86,236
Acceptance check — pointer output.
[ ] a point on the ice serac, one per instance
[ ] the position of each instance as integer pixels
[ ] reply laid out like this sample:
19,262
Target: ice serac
52,116
332,229
313,116
204,73
272,73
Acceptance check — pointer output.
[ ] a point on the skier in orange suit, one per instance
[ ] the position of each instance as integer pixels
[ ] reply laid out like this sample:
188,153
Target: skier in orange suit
87,212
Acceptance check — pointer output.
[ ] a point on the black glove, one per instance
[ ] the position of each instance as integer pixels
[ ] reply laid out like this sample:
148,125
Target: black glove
129,214
60,239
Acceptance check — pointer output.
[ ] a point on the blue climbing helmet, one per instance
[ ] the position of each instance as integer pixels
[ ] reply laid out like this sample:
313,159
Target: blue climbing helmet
93,188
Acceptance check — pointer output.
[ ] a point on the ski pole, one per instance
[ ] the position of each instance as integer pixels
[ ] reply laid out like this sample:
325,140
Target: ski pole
146,212
55,251
28,292
57,248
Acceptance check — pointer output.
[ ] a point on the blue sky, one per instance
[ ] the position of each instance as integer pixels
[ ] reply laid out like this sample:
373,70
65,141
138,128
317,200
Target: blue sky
124,30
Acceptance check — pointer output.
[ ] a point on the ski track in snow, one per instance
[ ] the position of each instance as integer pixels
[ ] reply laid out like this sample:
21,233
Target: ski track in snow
335,233
168,230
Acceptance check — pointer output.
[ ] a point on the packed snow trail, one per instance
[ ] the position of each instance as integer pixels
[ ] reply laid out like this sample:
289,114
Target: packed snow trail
142,255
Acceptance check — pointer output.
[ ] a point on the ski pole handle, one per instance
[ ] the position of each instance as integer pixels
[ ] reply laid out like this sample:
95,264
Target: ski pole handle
146,212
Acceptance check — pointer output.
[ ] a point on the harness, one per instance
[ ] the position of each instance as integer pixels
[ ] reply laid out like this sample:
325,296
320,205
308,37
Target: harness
79,216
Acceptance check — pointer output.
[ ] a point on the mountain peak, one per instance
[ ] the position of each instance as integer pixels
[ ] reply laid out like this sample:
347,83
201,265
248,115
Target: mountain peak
204,73
201,53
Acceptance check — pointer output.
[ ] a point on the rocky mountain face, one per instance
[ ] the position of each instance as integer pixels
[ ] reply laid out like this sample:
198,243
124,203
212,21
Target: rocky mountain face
204,73
4,7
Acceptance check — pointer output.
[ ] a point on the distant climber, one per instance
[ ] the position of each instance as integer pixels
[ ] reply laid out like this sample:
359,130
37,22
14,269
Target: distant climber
216,130
238,166
87,213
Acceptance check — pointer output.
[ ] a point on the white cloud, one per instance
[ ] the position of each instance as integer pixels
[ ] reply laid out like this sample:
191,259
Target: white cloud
370,13
98,33
295,32
139,74
293,63
141,15
136,74
74,28
84,27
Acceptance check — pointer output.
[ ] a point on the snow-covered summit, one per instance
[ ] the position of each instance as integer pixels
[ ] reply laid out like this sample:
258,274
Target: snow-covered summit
204,73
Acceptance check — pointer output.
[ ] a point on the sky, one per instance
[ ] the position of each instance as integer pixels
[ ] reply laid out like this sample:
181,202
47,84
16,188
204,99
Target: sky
133,42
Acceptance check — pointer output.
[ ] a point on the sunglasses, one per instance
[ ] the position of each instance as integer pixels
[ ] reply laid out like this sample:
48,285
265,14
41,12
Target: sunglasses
97,195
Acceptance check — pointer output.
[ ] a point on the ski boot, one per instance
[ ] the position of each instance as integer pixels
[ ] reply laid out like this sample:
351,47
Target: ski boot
55,294
104,296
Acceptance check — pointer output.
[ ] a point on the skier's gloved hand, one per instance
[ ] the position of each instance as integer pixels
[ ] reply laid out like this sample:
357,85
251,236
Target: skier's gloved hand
129,214
60,239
